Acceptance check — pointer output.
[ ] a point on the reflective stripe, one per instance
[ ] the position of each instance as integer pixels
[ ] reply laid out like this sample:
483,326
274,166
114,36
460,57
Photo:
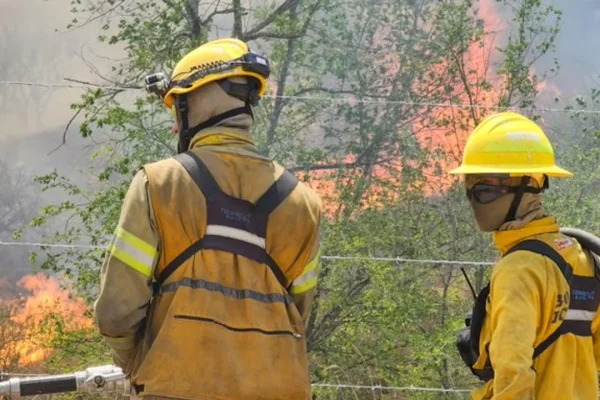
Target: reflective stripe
311,283
136,242
234,233
580,315
133,251
238,294
308,279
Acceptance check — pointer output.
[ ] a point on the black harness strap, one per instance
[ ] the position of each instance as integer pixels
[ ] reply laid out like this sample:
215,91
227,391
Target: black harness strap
478,317
209,188
176,263
199,173
227,212
268,202
278,191
544,249
548,341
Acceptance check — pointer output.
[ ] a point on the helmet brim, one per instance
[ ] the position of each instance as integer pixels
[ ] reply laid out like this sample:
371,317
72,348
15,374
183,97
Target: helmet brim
551,171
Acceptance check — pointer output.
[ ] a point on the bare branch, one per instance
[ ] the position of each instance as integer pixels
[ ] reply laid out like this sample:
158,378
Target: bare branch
273,35
98,16
91,66
64,137
121,87
217,12
285,6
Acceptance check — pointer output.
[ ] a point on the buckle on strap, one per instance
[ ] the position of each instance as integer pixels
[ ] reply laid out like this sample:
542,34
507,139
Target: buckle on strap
138,388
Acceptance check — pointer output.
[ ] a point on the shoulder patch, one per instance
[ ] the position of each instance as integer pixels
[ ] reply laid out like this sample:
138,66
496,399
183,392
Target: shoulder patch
563,243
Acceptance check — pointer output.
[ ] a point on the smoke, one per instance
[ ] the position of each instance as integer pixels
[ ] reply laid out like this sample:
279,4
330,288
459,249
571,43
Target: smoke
35,47
32,51
577,46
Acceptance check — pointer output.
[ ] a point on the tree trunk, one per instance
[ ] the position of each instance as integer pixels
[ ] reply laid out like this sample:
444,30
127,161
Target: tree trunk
237,18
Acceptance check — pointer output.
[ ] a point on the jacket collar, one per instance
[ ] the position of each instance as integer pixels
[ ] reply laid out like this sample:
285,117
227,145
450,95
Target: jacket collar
226,140
505,240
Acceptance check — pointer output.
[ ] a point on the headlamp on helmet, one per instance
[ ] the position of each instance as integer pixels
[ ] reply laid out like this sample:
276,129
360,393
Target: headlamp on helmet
157,83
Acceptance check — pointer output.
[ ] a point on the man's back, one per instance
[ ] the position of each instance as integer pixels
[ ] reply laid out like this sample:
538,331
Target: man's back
223,326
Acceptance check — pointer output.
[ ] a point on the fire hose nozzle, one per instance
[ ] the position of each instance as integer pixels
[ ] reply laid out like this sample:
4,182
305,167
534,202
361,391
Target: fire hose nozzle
106,378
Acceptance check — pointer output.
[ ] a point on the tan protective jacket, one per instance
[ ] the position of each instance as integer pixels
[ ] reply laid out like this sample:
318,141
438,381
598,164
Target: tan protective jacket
529,298
221,326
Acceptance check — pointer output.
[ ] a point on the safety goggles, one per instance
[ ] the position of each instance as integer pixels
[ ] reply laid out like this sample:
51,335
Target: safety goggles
484,193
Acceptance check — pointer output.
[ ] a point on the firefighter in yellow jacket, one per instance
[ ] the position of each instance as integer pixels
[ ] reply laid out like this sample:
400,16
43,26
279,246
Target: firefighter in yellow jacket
540,335
208,282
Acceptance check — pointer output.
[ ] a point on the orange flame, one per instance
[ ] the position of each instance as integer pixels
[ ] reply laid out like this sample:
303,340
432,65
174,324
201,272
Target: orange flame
455,123
460,121
30,319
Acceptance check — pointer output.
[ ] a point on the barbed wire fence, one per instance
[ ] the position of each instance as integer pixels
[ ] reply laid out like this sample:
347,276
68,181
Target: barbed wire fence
343,99
324,257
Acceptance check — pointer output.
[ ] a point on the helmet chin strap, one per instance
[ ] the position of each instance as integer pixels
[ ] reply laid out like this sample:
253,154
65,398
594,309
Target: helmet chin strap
512,211
186,133
181,105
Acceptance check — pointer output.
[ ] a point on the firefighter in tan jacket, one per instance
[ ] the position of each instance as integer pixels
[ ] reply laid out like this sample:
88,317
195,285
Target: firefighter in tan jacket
208,282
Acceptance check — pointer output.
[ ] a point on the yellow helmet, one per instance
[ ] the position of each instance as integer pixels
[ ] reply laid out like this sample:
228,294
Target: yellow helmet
509,143
213,61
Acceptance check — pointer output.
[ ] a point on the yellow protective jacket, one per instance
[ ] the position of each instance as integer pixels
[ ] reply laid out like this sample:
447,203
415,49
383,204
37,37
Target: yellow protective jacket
221,326
525,306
